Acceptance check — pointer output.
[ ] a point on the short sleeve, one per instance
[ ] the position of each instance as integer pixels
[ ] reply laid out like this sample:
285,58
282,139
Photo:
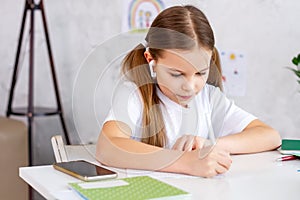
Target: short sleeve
227,118
126,105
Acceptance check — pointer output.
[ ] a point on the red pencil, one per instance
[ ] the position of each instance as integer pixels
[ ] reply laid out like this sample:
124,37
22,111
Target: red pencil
289,157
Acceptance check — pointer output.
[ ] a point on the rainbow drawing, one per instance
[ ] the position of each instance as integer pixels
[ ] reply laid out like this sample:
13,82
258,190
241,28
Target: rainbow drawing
142,12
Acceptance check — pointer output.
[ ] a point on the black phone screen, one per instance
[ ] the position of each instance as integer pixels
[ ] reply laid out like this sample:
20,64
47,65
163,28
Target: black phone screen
84,168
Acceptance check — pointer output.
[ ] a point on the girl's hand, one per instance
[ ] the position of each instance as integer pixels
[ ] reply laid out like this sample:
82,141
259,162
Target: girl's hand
217,161
188,143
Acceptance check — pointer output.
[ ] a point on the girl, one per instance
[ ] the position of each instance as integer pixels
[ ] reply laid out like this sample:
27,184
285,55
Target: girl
163,113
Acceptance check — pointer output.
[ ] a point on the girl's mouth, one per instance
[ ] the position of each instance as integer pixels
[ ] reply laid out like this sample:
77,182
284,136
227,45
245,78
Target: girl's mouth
184,97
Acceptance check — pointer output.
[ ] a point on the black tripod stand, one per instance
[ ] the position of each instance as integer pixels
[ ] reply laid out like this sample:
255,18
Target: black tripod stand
30,111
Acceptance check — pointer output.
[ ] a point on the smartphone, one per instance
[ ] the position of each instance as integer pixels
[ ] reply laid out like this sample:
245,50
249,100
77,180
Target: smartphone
84,170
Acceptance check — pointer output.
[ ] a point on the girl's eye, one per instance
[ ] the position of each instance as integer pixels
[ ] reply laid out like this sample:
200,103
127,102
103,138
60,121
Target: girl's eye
175,75
201,73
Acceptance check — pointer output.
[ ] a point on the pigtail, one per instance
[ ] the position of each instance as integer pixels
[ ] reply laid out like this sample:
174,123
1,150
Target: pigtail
136,69
215,70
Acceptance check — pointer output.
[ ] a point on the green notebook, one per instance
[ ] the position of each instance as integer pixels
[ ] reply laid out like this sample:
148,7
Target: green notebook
140,187
290,144
290,147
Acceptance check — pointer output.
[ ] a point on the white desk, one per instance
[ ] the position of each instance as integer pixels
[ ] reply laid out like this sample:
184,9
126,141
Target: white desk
253,176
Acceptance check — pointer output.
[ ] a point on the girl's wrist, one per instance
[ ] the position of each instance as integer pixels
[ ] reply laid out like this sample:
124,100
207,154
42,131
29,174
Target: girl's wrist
222,144
181,164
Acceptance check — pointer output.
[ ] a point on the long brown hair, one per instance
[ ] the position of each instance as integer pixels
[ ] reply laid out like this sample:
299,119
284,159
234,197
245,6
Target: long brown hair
215,70
178,27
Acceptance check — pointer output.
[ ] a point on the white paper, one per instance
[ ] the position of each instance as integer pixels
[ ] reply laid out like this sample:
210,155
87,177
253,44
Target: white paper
156,174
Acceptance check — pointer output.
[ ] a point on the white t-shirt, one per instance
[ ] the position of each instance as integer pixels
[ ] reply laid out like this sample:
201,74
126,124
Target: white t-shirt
209,110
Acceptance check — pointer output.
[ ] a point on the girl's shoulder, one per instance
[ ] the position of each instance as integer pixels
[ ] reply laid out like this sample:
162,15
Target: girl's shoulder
126,87
129,91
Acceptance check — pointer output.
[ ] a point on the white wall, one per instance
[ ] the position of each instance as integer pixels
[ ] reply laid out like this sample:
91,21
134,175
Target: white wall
267,31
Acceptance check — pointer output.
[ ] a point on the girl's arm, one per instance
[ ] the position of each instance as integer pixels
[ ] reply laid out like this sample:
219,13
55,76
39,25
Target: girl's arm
256,137
115,148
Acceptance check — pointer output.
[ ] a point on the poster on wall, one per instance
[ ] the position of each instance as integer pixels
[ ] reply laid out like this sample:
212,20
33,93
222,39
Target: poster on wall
234,72
137,15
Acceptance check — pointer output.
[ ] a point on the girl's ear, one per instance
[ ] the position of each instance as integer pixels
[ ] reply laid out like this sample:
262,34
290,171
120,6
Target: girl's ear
148,56
151,63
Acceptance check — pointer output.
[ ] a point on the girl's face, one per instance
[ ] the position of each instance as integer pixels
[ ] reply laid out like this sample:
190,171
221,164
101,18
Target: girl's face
182,74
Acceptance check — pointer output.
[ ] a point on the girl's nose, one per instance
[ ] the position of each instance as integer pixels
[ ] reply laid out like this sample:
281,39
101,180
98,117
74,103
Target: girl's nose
188,84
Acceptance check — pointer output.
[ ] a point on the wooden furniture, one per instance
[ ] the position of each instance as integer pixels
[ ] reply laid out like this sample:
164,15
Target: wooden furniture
13,148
